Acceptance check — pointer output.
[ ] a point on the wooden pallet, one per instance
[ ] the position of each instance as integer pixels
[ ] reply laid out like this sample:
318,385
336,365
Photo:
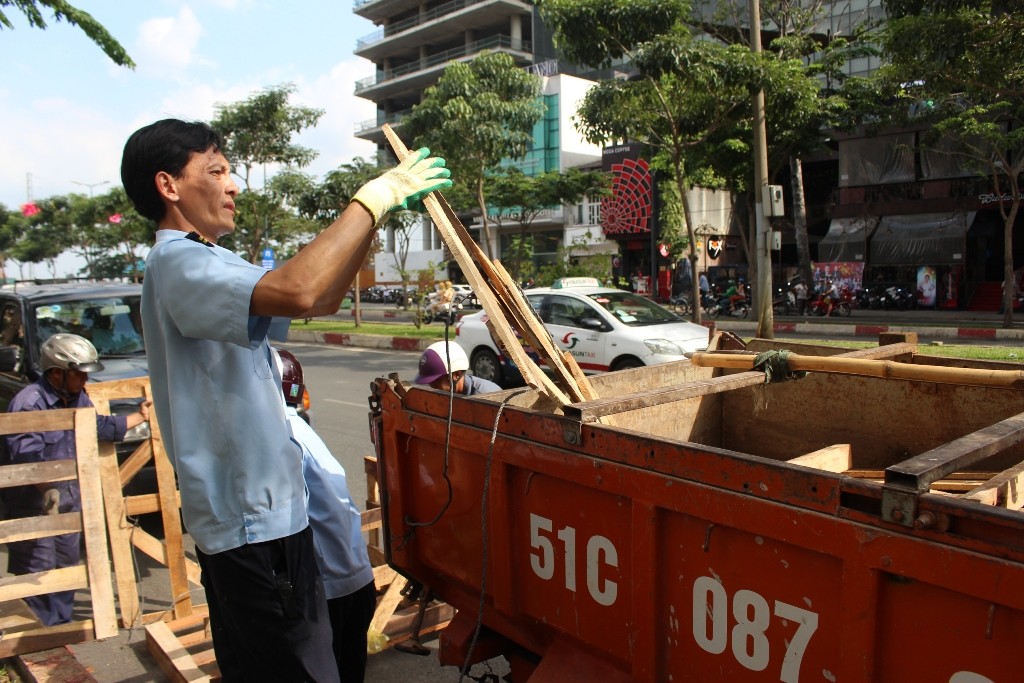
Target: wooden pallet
20,633
126,537
183,647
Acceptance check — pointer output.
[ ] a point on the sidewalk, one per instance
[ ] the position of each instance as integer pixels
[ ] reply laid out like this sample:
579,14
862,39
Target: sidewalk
928,324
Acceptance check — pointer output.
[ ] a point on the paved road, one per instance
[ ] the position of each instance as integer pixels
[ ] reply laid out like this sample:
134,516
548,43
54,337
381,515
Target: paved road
339,381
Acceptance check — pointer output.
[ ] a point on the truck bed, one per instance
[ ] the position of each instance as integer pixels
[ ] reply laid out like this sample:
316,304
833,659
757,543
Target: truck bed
671,533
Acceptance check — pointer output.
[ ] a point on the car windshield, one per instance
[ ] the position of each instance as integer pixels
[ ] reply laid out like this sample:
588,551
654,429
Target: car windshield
634,310
112,324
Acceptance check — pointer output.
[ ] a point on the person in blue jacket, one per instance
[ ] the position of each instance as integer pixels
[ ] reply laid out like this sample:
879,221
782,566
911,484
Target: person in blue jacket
66,361
337,532
434,371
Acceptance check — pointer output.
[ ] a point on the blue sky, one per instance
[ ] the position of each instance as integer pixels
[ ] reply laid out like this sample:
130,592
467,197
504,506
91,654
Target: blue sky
66,109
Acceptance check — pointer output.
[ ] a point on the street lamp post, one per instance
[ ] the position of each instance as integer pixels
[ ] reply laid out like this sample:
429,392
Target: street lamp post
90,185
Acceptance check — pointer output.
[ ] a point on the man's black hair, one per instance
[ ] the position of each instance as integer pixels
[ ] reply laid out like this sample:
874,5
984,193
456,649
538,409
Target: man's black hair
162,146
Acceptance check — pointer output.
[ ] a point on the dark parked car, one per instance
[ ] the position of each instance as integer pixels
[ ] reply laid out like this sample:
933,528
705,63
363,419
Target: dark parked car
107,314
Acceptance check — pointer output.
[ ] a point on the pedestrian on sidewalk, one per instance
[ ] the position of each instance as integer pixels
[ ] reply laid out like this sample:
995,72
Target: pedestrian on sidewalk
337,532
800,291
206,313
66,360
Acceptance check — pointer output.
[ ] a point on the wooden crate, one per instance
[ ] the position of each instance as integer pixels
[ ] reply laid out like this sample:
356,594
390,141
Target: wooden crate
21,632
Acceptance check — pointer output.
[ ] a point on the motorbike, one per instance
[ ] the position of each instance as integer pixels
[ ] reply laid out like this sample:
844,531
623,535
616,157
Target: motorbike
741,309
784,302
820,304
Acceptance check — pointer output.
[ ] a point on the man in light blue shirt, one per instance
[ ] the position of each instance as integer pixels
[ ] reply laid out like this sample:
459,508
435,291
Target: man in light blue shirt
217,393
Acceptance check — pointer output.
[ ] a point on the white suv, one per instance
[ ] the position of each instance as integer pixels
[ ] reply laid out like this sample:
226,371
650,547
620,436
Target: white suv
604,329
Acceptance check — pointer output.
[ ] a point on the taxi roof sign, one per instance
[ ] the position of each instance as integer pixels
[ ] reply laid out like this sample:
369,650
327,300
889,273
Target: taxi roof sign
566,282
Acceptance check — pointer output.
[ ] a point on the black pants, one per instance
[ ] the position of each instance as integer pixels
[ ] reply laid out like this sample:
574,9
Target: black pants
268,614
350,618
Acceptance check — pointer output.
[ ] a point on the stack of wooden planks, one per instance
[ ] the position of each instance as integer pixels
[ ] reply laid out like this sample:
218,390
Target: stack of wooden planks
507,309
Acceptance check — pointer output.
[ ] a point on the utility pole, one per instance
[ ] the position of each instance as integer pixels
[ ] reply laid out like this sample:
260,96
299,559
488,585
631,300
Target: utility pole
762,248
90,185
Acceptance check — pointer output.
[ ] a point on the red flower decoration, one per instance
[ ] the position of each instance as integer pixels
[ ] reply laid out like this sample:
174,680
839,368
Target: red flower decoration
29,209
116,218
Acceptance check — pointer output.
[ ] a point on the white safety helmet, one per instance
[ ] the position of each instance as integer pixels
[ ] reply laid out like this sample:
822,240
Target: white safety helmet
434,362
70,352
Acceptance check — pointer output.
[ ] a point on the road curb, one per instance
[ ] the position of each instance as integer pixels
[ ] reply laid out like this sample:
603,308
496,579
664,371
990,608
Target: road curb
853,330
369,341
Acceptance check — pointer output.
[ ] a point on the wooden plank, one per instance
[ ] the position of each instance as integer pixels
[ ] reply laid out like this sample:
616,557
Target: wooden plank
591,411
16,616
173,659
119,531
28,528
27,474
383,575
94,530
134,463
371,519
886,369
46,637
920,471
1007,487
145,503
167,489
387,604
468,255
37,421
835,458
40,583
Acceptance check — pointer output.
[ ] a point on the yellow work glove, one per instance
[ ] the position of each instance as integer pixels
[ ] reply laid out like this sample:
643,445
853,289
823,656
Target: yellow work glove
404,186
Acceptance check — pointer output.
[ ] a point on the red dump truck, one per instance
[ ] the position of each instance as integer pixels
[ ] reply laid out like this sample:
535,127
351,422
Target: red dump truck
696,524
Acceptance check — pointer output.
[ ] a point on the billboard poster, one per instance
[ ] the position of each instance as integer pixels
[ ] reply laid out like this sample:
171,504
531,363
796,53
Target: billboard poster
926,286
848,274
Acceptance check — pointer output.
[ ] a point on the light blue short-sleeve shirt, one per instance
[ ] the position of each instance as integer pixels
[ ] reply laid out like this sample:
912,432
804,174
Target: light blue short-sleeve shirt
333,516
218,396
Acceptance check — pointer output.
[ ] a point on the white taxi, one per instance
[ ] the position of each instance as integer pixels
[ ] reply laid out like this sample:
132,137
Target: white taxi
604,329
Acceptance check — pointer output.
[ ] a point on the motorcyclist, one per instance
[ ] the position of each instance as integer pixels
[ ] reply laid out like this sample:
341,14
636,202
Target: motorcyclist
739,295
726,301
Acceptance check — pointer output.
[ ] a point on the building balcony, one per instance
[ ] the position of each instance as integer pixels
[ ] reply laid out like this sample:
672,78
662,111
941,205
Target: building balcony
379,10
373,130
438,24
419,74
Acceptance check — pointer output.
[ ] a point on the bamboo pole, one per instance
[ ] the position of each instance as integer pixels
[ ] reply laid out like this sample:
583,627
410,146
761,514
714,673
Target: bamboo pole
887,369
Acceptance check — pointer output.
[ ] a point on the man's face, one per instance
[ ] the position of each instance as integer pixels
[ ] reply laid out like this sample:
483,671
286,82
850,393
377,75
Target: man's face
444,382
70,381
206,194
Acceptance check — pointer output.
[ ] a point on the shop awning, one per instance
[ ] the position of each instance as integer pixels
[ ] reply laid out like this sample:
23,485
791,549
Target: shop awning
847,239
921,239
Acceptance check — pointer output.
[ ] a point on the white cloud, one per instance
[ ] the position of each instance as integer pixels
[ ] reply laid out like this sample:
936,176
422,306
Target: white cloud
166,46
334,136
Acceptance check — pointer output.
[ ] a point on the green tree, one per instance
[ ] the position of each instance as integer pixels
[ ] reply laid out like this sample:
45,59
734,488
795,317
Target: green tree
480,113
63,11
122,233
966,58
48,233
808,95
257,132
686,92
522,198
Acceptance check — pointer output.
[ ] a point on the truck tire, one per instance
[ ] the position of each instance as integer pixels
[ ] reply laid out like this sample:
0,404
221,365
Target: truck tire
485,365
